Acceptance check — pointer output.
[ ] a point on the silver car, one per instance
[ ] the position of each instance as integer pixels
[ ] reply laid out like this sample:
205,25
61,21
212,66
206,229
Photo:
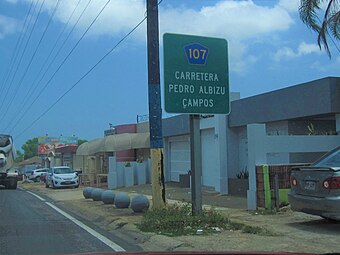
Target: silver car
316,189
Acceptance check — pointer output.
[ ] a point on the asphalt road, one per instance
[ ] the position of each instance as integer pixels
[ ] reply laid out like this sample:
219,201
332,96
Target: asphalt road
29,226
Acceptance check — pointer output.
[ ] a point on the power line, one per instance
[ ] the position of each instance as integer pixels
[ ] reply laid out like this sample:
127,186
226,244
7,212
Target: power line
22,54
15,51
86,74
81,78
30,92
30,61
61,64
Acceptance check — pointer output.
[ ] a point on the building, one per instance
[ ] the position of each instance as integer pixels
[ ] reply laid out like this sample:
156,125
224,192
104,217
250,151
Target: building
291,125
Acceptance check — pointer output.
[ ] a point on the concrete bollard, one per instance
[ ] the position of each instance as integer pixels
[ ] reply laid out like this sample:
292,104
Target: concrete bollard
108,197
122,200
87,192
140,203
96,194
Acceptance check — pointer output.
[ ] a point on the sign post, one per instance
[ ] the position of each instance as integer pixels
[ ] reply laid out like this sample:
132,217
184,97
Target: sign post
196,81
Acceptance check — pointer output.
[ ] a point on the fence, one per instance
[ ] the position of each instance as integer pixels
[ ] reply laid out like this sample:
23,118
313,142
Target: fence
260,144
265,183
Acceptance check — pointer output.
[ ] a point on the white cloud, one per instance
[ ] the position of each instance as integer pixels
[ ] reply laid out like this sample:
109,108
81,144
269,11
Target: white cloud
240,22
303,49
308,48
290,5
7,26
118,17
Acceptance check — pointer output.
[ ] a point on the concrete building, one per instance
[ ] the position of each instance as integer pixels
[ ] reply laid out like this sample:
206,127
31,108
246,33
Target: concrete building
291,125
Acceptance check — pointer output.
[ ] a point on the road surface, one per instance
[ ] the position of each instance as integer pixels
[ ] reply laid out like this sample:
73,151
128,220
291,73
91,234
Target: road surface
29,225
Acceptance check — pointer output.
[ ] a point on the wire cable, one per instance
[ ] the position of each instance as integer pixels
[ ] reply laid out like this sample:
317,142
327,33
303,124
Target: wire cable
82,77
30,61
30,92
22,54
15,51
61,64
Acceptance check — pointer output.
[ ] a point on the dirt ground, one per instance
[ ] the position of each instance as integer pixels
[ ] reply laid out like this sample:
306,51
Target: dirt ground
293,232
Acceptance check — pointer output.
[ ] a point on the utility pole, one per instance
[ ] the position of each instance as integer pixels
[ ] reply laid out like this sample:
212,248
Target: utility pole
155,109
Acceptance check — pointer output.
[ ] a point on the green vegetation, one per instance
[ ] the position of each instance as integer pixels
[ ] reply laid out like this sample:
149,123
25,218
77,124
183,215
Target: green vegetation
176,220
20,157
30,148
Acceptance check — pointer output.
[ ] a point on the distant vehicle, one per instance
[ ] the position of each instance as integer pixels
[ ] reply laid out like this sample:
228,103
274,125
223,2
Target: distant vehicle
35,175
316,189
61,176
7,155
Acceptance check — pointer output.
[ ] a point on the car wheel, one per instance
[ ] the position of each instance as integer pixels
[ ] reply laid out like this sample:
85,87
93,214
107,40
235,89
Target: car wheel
53,187
37,179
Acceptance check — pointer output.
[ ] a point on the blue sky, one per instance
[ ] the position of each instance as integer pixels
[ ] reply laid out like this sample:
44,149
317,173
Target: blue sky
269,49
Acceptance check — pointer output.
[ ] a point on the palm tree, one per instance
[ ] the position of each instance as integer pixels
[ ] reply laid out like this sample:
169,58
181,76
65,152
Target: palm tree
330,23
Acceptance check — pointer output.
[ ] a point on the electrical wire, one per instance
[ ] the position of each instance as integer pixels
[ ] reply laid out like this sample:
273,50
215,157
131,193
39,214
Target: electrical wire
30,61
33,88
86,74
82,77
15,51
60,65
22,54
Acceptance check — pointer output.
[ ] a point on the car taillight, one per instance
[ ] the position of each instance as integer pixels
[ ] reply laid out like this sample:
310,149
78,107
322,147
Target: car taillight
331,183
293,181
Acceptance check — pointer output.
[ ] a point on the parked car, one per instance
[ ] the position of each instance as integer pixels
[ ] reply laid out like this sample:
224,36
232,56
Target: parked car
316,189
43,176
61,176
35,175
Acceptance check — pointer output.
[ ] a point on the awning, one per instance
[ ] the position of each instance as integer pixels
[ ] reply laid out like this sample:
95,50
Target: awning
119,142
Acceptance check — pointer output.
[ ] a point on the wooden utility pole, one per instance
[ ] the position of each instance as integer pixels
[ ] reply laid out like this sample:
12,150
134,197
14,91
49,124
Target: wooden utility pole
155,109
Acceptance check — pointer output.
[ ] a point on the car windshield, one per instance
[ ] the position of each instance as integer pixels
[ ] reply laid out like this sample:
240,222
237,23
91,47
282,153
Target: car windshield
64,170
4,140
330,160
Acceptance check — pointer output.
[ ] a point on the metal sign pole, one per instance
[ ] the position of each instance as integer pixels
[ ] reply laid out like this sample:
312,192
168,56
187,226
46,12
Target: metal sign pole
196,165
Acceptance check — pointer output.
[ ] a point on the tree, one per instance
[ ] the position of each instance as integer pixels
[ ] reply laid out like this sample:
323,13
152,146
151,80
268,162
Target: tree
30,148
20,156
81,141
328,25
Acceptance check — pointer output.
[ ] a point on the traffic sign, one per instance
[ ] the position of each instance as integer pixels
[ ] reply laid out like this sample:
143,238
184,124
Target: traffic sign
196,79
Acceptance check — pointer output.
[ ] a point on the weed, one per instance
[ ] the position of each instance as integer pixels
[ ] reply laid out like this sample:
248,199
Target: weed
177,220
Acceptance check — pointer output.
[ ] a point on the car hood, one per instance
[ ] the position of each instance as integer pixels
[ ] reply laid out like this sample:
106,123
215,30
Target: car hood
72,175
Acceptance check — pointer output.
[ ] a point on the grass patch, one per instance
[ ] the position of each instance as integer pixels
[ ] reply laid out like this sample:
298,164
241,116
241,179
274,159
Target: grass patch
176,220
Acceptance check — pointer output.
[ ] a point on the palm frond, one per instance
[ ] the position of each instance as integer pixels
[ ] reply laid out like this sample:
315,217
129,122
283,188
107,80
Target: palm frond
308,13
334,25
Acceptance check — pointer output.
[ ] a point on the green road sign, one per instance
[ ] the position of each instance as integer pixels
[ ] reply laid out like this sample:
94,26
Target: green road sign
196,76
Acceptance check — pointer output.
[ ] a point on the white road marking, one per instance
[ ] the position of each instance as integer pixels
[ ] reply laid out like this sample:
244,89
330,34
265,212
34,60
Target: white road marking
40,198
100,237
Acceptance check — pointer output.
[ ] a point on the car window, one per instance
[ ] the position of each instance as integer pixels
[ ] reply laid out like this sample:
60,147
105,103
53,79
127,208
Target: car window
65,170
331,160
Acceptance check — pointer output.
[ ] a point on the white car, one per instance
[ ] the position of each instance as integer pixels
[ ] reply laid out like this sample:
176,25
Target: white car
61,176
35,175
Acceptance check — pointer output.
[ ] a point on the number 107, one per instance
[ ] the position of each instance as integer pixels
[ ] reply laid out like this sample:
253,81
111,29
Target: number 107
196,53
